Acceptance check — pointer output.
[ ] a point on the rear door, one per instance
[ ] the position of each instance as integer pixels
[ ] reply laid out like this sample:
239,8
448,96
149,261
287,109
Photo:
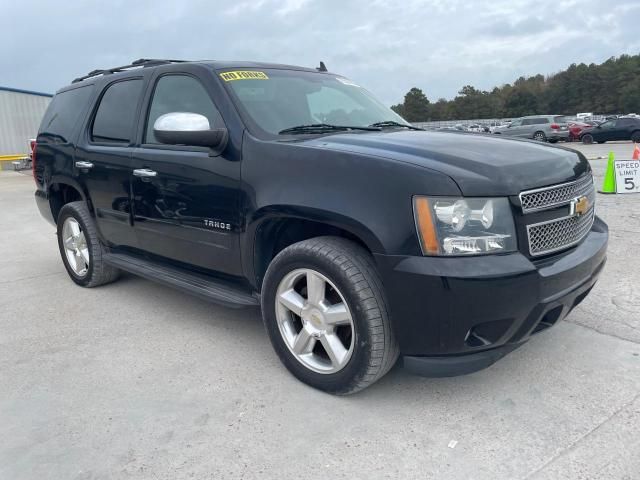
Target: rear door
188,209
538,124
624,127
103,159
58,133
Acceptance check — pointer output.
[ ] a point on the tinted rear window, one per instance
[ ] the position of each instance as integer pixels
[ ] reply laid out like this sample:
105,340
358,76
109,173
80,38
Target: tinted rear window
64,111
116,114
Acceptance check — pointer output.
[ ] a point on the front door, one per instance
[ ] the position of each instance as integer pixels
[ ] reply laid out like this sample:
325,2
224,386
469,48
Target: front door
103,160
515,129
186,201
605,132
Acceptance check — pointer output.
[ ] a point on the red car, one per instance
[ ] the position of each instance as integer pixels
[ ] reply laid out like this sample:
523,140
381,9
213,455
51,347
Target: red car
576,128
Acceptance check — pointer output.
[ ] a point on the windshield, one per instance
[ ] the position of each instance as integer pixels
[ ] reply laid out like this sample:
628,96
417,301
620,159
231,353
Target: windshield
277,100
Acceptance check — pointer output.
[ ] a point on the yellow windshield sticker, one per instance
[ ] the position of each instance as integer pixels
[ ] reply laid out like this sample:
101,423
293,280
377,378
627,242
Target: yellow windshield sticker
243,75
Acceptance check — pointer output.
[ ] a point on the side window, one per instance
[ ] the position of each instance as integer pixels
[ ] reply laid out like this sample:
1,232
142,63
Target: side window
535,121
63,113
180,93
116,113
608,124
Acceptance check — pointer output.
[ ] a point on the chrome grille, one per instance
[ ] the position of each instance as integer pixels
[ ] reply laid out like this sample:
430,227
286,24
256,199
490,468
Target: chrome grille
554,235
556,195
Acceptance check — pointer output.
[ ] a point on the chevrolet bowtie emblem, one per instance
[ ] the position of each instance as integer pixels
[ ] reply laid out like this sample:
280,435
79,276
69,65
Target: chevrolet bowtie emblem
579,206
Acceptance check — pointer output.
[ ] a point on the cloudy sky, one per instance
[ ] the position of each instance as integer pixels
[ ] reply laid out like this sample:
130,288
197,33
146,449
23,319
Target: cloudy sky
387,46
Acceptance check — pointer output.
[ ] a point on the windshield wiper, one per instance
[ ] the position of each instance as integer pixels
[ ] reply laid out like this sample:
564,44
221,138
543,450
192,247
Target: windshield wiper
392,123
325,127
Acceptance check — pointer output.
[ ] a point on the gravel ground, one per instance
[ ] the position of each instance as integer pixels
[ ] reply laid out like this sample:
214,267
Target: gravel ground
135,380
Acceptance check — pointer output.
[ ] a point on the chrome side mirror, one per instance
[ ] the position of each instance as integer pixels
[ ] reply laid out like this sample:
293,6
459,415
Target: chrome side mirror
193,129
181,122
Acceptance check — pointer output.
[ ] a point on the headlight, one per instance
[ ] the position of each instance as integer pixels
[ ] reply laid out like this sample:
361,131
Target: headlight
464,226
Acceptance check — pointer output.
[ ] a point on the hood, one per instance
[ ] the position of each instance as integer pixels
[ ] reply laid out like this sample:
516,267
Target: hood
481,165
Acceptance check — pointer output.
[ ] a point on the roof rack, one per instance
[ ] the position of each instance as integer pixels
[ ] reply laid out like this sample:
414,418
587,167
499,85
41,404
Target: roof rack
141,62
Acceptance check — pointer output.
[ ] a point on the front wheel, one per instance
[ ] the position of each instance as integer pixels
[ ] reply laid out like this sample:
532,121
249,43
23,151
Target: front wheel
325,311
587,139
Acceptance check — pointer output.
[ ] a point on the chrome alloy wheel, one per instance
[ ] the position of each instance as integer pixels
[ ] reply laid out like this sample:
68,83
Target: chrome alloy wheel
75,246
314,321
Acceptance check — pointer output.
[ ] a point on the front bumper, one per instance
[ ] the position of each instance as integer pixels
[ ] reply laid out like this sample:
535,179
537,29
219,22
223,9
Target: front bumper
457,315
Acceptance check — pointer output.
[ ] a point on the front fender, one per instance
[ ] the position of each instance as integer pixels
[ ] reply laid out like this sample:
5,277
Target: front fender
368,196
325,217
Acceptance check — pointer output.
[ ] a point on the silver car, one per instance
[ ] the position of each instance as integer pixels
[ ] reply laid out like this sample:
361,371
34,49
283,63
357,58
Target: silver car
544,128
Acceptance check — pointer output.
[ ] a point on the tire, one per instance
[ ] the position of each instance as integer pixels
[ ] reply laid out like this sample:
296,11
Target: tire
635,136
351,278
77,230
587,139
540,136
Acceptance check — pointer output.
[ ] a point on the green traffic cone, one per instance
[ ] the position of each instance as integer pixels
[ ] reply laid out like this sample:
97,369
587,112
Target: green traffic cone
609,183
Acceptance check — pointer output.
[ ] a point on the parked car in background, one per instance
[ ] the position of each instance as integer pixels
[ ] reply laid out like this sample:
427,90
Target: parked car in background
577,127
498,125
625,128
544,128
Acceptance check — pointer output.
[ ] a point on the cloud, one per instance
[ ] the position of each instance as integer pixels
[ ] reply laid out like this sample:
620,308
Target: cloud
437,45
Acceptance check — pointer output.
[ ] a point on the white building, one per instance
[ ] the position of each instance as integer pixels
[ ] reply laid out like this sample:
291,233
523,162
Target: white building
20,115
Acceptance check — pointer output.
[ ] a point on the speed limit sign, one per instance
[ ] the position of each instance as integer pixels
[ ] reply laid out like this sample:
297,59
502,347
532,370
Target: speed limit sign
627,176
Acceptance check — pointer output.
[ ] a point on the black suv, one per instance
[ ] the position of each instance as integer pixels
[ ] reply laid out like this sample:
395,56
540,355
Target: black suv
624,128
292,188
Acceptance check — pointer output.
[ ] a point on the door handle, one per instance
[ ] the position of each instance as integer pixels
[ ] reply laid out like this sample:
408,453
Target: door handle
80,164
144,172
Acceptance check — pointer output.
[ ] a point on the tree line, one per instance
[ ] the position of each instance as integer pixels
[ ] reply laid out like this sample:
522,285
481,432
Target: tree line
610,87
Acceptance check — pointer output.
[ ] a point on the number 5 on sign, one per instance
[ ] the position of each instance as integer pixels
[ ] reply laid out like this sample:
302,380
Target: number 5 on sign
627,176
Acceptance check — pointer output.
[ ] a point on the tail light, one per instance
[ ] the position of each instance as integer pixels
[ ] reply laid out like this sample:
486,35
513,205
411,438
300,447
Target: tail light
555,126
33,145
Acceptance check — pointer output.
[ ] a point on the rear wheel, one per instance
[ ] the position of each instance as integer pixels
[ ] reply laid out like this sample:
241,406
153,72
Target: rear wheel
540,136
635,136
587,139
80,248
324,309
